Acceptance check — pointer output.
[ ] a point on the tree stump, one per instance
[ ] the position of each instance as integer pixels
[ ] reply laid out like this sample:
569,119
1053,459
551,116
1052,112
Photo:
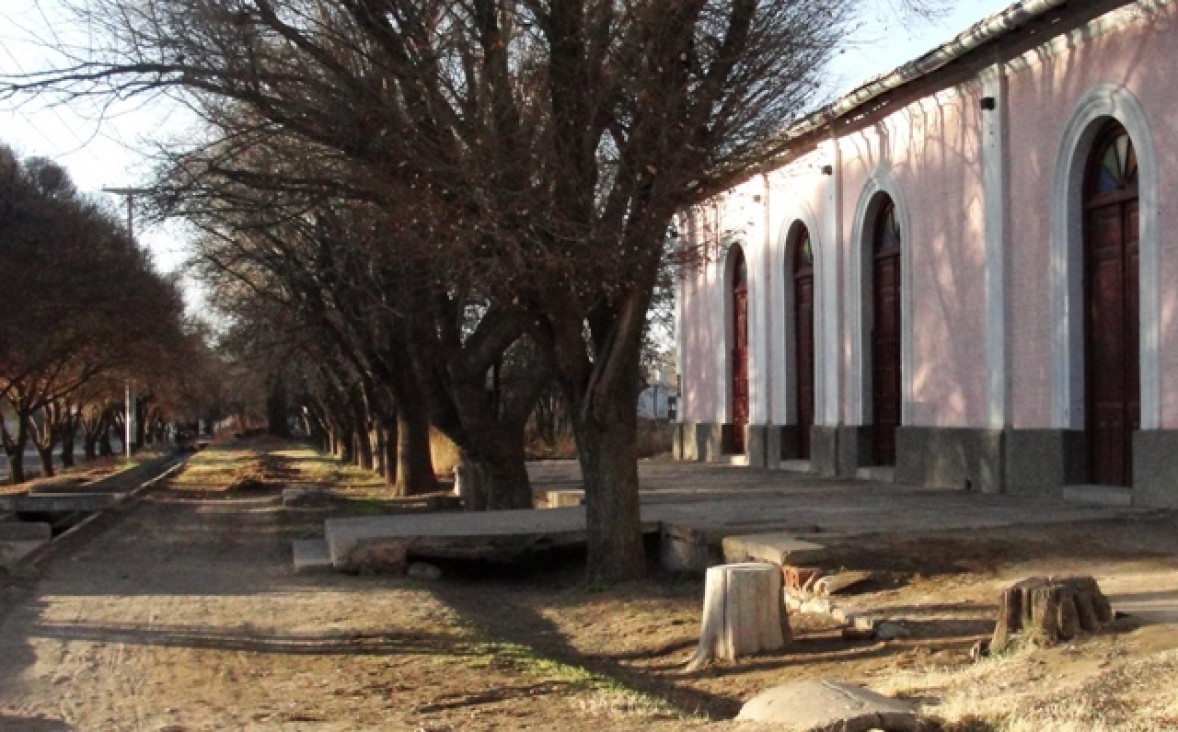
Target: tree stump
1047,610
743,614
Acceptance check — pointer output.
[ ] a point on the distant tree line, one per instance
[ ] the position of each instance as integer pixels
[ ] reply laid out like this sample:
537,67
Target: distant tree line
83,311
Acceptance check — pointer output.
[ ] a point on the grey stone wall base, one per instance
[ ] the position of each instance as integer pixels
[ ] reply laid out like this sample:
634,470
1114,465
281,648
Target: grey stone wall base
824,450
684,444
1155,468
853,449
709,441
788,442
950,457
756,444
1042,462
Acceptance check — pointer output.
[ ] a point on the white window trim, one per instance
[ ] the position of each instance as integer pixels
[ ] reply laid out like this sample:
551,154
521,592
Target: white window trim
1103,102
880,182
781,316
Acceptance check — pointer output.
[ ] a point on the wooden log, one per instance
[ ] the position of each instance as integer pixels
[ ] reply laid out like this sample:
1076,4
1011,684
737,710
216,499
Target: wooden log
1047,610
743,613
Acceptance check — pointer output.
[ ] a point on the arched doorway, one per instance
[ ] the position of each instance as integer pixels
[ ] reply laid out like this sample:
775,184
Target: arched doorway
1112,391
739,355
886,333
803,319
740,350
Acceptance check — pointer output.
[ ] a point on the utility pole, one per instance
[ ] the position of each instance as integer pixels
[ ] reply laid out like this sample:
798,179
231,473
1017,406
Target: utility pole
130,194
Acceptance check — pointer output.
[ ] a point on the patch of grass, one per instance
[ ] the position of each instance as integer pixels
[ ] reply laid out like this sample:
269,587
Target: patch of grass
609,697
444,453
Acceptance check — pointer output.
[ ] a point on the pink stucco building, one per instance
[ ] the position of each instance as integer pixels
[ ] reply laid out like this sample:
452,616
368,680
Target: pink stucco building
965,273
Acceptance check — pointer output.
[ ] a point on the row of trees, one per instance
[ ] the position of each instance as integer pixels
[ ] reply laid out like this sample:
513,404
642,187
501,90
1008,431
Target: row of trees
83,311
402,202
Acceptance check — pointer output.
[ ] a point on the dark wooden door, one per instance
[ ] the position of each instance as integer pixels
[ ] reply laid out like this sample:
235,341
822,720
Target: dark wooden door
1112,321
886,338
804,340
740,355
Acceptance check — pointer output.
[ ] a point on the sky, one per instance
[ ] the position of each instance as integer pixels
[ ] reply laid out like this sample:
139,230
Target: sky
111,148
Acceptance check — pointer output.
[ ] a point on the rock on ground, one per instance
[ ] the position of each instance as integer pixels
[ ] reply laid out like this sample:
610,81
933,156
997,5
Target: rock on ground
825,706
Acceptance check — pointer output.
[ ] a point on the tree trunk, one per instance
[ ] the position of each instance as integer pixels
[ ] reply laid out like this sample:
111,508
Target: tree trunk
46,455
363,448
277,409
504,473
468,484
1046,610
141,421
379,452
16,453
388,428
415,467
69,435
606,445
743,614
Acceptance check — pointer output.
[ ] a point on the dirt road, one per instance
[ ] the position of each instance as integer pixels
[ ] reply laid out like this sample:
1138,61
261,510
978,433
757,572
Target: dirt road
183,613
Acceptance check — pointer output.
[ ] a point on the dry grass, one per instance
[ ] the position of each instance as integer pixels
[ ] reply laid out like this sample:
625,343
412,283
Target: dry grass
83,473
654,439
444,452
1093,687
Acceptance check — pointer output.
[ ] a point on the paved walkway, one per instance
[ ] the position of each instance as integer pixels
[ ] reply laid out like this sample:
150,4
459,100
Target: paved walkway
747,499
704,503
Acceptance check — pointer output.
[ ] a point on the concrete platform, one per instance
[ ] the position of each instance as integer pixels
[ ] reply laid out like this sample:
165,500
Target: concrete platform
494,535
696,506
777,548
12,552
1099,495
310,555
57,502
25,531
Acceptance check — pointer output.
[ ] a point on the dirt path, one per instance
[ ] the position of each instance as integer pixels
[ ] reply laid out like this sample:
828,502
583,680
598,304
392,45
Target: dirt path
181,611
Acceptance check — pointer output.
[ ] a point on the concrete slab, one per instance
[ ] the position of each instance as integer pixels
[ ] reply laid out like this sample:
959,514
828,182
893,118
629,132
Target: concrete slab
825,706
1099,495
698,505
492,535
559,498
794,466
57,502
25,531
310,555
12,552
775,548
878,473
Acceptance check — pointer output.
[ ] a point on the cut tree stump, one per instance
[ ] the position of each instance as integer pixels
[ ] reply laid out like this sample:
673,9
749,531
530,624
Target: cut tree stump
1047,610
743,613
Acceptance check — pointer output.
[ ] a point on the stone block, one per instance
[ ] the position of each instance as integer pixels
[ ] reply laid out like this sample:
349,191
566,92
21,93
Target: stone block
310,555
756,445
943,457
1155,468
840,583
853,449
775,548
1042,462
683,549
824,706
25,531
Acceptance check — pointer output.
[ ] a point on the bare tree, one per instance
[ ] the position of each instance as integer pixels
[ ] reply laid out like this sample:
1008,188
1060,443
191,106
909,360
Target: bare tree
543,148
